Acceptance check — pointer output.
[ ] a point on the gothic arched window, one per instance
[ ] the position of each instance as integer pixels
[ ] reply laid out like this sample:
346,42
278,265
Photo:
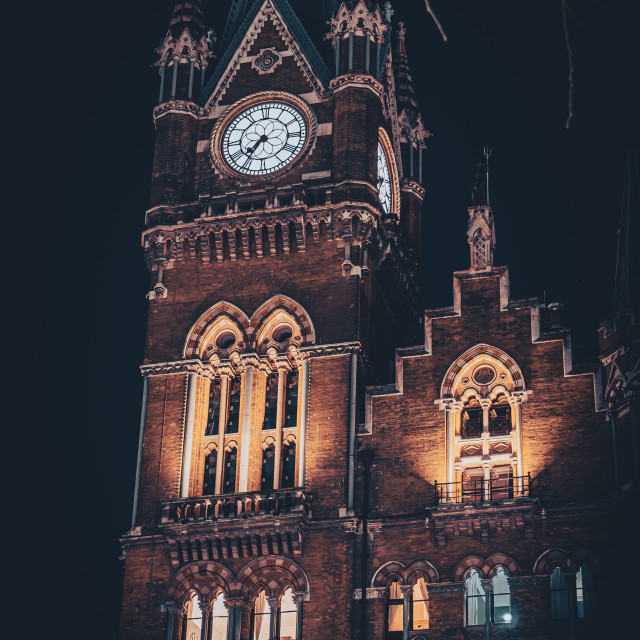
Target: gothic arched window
395,612
288,465
233,419
585,600
261,617
288,619
475,599
420,606
291,404
219,619
559,594
210,465
193,619
213,417
268,459
501,595
230,463
271,402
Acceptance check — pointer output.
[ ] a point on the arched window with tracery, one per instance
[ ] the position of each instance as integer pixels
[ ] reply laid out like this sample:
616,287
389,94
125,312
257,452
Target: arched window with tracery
219,619
395,612
475,599
210,468
288,619
261,617
420,606
559,595
271,402
193,619
213,416
482,395
230,464
585,593
501,598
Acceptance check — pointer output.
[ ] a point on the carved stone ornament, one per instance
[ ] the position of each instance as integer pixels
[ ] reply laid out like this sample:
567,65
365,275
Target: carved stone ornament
266,61
484,375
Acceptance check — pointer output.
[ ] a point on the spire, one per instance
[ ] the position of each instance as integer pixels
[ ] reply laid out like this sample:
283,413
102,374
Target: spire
405,93
481,231
626,295
187,15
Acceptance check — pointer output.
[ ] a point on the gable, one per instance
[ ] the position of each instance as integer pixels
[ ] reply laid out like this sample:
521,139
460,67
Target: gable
270,29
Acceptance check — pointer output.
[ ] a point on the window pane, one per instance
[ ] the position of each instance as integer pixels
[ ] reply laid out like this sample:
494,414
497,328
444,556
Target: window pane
261,617
584,593
501,598
475,600
291,404
559,595
193,628
288,465
213,417
220,619
210,464
420,606
268,459
396,617
234,407
271,402
288,617
230,471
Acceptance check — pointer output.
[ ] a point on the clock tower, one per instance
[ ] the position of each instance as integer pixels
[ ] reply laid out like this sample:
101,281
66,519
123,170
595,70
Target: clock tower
283,243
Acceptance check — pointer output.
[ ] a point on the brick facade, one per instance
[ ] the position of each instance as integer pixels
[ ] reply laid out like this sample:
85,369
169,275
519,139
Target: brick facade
296,296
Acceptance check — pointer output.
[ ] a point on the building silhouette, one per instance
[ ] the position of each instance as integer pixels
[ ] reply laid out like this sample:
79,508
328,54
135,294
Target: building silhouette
319,456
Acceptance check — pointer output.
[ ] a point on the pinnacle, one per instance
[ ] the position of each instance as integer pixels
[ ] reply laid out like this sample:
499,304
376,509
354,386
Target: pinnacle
405,91
187,14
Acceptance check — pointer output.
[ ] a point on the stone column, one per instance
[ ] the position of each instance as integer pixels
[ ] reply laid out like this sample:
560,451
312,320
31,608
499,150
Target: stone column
187,446
298,598
225,375
487,585
304,393
173,619
234,607
407,590
485,403
283,367
207,609
250,364
515,401
274,604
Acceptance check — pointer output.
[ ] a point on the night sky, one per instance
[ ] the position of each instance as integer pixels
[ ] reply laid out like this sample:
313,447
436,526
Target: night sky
501,80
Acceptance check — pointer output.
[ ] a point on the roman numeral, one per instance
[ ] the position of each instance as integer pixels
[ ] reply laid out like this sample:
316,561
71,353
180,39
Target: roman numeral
289,147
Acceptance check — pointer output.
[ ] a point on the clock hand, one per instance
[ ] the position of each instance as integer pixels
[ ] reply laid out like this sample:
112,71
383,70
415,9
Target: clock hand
249,151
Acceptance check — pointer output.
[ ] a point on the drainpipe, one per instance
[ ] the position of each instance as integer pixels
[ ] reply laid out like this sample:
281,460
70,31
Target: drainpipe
143,417
352,431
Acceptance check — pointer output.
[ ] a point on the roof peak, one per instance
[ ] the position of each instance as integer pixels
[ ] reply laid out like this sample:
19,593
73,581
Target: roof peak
187,15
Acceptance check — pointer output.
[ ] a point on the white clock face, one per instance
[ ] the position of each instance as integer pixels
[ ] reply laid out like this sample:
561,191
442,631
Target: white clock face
384,180
264,138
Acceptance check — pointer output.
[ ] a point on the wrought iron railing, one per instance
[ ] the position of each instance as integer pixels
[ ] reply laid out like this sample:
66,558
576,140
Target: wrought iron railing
483,490
234,506
472,428
500,425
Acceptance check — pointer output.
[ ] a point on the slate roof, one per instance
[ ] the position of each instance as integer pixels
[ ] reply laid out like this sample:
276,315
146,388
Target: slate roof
299,33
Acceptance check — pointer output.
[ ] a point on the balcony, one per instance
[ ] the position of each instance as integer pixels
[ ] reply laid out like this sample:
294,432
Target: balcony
480,508
239,525
482,490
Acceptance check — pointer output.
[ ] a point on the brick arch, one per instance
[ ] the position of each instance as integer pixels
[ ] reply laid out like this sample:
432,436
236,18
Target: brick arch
269,573
292,308
421,569
490,353
194,346
578,557
206,578
471,561
386,573
497,560
551,559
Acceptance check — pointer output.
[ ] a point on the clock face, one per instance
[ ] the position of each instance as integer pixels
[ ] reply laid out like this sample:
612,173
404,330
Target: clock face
384,180
264,138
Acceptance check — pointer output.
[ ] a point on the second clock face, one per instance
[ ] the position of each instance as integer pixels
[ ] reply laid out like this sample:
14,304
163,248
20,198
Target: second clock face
264,138
384,180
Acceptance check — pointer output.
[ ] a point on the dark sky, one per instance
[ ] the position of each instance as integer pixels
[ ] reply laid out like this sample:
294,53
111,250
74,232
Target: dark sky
500,80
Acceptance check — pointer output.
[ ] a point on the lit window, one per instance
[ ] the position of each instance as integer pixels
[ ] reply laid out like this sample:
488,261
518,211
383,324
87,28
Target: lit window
501,598
261,617
472,422
219,619
420,606
288,465
288,617
210,464
500,419
395,611
585,600
193,619
559,593
475,600
230,460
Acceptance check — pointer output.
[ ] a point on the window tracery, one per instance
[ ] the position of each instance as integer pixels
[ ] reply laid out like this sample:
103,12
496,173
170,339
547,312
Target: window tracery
482,395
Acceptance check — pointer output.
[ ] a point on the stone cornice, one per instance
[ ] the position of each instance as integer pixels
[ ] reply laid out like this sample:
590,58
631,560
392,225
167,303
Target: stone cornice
413,188
179,366
185,107
357,81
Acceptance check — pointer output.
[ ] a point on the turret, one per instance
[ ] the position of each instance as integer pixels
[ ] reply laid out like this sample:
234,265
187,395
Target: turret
481,232
183,58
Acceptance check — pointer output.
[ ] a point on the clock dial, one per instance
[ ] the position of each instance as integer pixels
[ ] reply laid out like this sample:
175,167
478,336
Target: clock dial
264,138
384,180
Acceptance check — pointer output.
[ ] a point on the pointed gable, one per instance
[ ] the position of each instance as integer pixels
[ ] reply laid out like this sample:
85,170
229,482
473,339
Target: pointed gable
270,25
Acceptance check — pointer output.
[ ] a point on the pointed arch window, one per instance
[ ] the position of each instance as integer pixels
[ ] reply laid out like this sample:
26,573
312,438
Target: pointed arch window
268,460
261,618
210,466
472,421
420,606
230,463
475,600
193,619
213,416
219,619
395,612
501,609
480,248
585,600
291,405
233,420
559,593
288,465
288,619
500,418
271,402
